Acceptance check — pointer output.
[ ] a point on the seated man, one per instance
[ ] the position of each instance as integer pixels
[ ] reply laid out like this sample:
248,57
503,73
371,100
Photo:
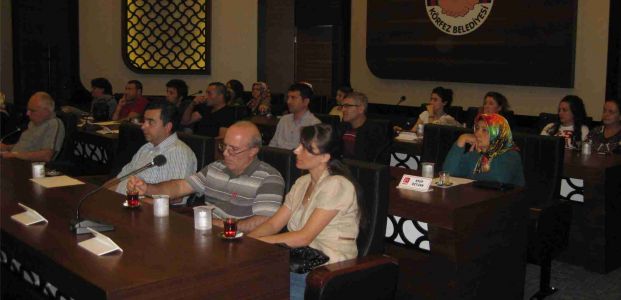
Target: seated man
210,113
44,137
239,186
160,119
132,104
362,140
177,94
287,133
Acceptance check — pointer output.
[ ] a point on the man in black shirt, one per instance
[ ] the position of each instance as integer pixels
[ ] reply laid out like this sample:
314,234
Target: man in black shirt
209,114
362,139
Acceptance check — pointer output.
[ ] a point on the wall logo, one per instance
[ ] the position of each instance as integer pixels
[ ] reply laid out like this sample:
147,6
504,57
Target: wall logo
458,17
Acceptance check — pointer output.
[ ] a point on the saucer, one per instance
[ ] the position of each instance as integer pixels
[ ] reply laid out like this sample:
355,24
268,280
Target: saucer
444,184
127,206
238,235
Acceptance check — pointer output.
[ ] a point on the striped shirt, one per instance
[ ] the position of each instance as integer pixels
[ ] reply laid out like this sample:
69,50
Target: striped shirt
257,191
180,162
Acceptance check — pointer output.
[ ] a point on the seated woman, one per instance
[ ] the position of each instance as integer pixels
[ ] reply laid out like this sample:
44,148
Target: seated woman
321,210
571,115
607,138
493,103
341,93
261,100
441,99
236,90
492,156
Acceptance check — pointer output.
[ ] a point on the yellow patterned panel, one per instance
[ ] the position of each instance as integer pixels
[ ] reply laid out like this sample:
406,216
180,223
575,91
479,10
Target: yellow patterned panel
167,36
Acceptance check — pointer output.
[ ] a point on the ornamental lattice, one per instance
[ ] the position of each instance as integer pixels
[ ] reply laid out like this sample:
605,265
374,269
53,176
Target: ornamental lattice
167,36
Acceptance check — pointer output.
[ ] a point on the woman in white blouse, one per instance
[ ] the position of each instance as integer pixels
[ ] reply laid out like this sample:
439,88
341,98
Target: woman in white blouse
321,210
571,115
440,100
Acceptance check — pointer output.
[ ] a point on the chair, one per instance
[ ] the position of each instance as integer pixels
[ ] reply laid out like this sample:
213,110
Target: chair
383,156
329,119
204,148
550,217
64,160
438,140
130,140
282,160
371,275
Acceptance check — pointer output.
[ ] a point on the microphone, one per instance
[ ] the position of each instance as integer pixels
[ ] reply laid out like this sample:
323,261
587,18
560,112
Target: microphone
10,134
401,100
78,225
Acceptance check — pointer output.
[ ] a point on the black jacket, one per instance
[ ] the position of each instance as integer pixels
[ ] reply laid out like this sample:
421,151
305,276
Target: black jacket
372,141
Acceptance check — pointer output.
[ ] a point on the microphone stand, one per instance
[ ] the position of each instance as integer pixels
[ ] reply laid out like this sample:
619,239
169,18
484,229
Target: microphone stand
78,225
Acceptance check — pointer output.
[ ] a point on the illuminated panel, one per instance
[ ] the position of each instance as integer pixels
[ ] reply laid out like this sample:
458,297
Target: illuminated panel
167,36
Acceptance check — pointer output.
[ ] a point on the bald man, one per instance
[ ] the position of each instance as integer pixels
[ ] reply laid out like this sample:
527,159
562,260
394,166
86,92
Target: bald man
44,137
239,186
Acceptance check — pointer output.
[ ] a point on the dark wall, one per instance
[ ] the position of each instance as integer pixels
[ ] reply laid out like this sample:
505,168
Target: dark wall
613,78
45,50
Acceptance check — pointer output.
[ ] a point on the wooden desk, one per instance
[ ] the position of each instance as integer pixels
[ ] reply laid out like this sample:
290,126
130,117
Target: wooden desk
595,236
476,239
163,258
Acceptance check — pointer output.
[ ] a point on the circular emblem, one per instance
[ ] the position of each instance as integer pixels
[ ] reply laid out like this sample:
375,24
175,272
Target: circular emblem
458,17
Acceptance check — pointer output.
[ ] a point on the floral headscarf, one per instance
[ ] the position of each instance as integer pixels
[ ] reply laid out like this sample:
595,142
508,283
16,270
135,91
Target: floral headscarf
500,140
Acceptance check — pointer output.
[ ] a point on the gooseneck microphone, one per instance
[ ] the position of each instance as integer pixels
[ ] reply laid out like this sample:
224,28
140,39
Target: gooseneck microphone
401,100
78,225
10,134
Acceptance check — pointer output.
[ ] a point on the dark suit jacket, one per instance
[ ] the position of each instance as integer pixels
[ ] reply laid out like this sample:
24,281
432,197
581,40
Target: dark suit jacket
371,139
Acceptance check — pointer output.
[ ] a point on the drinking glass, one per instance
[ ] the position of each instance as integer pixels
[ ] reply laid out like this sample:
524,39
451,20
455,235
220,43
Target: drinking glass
230,227
132,198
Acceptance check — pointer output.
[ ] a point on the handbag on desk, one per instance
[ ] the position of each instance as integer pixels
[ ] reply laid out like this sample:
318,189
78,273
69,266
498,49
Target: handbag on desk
303,259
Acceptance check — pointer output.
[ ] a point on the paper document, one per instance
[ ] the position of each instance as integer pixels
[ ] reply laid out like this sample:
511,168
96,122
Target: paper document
455,181
29,217
99,244
56,181
107,123
407,136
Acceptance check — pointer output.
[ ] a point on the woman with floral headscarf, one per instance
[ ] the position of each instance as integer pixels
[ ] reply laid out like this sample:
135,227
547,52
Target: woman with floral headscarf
492,155
261,100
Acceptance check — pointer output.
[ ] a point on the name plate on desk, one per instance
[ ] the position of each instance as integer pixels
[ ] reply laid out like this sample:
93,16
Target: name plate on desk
100,244
29,217
415,183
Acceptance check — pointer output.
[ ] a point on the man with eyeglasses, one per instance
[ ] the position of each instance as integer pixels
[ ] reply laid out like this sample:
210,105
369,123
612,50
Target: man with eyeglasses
239,186
362,139
43,139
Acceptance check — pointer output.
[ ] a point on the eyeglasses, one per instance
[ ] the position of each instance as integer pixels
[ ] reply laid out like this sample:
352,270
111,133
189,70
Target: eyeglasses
233,151
347,105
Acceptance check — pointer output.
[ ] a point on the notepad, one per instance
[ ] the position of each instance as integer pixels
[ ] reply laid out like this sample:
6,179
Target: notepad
56,181
107,123
407,136
455,181
100,244
29,217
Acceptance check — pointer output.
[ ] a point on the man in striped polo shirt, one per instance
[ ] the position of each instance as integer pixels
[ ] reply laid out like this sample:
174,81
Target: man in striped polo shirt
239,186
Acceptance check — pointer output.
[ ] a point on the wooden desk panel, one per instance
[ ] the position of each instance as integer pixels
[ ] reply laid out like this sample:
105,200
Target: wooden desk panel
163,257
477,242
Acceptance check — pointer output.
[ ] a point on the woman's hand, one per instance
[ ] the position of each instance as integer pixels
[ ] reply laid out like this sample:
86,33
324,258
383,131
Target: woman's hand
430,111
467,138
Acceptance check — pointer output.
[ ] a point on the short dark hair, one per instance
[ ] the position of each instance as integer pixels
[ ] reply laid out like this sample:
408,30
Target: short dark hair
500,99
222,90
168,112
445,94
346,89
237,87
304,89
102,83
615,101
137,83
179,85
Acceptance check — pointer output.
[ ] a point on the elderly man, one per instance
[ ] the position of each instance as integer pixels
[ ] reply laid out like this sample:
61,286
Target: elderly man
44,137
239,186
362,140
132,104
210,113
287,133
160,119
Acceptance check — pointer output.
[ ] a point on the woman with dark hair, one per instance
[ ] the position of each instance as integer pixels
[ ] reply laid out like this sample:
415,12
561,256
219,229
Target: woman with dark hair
322,208
495,103
607,138
571,115
441,99
236,90
261,100
341,93
492,155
